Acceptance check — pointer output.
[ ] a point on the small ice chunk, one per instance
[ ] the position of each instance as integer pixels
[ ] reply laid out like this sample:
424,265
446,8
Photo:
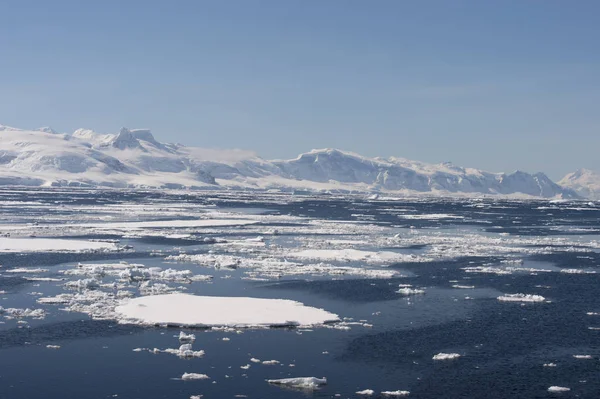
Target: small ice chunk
410,291
270,362
183,337
395,393
300,382
255,360
196,397
582,356
446,356
549,364
53,346
194,376
366,392
558,389
521,298
246,367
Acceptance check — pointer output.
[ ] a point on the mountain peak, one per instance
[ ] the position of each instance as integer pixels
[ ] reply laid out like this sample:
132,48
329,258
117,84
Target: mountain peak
8,128
47,129
125,139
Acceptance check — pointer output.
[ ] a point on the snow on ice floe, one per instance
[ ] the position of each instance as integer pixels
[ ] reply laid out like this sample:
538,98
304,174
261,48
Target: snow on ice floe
308,383
557,389
397,393
203,311
52,245
521,298
446,356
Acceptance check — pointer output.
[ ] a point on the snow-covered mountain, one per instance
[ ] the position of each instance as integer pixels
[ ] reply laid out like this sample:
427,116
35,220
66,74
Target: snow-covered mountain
134,158
584,181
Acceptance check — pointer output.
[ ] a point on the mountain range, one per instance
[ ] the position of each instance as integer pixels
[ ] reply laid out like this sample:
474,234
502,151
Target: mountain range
134,158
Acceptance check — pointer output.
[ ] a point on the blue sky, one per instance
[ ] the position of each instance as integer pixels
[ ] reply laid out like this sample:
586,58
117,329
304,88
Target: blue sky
497,85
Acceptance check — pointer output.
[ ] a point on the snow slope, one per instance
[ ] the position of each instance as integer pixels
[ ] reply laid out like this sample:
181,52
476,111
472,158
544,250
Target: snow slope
134,158
584,181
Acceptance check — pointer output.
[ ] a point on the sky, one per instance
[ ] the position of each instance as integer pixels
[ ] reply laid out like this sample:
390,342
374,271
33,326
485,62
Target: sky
495,85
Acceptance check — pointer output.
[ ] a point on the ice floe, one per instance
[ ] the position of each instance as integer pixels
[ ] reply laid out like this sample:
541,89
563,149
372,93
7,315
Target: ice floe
446,356
366,392
397,393
521,298
190,310
583,356
300,382
20,313
52,245
354,255
194,376
26,270
407,291
557,389
183,337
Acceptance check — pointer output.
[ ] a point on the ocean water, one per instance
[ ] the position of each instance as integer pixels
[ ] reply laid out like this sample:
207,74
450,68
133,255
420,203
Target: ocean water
463,254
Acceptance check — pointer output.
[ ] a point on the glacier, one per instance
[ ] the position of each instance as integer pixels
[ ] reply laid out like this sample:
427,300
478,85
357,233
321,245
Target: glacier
133,158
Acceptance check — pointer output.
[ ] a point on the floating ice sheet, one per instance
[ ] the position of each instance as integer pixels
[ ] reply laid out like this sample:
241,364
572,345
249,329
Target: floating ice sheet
52,245
190,310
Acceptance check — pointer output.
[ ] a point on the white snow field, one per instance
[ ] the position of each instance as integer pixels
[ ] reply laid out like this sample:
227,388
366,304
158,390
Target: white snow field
134,158
204,311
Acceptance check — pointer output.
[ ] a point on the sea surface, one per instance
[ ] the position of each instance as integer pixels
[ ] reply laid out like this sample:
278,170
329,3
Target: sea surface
461,255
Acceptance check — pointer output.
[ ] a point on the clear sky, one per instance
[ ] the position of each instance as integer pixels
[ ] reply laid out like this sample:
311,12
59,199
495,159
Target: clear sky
497,85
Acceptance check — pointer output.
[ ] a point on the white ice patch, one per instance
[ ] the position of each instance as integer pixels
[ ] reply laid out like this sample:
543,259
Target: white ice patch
52,245
191,310
446,356
521,298
300,382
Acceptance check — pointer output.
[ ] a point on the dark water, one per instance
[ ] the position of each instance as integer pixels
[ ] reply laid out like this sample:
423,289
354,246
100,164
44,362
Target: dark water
504,346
